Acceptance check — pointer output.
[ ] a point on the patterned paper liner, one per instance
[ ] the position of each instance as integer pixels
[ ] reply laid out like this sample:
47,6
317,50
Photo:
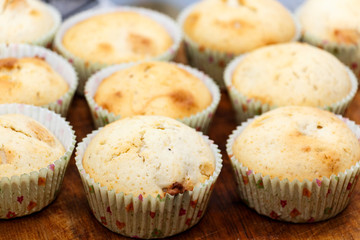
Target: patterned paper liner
46,39
150,217
84,68
294,201
246,107
30,192
199,121
58,64
346,53
210,61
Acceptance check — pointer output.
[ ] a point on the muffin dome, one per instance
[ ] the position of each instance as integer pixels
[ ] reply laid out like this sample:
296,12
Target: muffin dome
292,74
24,21
148,155
238,26
332,20
25,145
29,81
117,37
297,143
153,88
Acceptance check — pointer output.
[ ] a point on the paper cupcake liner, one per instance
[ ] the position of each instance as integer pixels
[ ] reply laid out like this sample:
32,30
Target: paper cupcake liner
150,217
30,192
85,69
246,107
58,64
294,201
348,54
210,61
101,116
46,39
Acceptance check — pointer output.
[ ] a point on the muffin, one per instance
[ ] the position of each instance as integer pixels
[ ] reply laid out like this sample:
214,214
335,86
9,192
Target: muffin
28,21
288,74
152,88
36,76
35,148
150,169
297,164
333,25
217,30
29,80
94,39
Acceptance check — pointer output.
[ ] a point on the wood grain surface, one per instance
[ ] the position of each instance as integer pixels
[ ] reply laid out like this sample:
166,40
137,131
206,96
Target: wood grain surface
69,216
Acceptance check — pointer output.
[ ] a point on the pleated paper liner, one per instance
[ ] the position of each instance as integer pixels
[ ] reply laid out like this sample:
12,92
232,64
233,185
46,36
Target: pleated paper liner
210,61
246,107
150,217
57,63
30,192
199,121
47,39
84,68
294,201
349,54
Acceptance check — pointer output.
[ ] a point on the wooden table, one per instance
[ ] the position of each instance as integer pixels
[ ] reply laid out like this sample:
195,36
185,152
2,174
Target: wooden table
69,217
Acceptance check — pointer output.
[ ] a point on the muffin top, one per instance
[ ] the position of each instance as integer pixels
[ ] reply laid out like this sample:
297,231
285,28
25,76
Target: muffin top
153,88
149,155
25,145
29,81
238,26
332,20
117,37
297,143
292,74
24,21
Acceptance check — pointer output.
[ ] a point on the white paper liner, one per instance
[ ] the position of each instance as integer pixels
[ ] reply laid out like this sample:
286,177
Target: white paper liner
150,217
246,107
57,63
294,201
199,121
346,53
30,192
86,69
210,61
46,39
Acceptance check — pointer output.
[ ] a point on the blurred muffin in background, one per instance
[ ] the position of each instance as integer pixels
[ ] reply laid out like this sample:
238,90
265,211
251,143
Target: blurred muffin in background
28,21
333,25
217,30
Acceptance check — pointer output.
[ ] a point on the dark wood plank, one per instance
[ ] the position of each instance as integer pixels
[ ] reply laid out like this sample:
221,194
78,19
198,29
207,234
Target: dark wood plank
69,217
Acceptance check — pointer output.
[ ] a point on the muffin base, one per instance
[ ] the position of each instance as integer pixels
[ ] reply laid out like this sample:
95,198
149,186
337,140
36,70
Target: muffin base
150,217
30,192
294,201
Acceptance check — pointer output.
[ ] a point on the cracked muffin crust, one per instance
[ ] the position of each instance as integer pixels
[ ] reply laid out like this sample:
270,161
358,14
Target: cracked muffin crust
153,88
117,37
238,26
297,143
24,21
25,145
292,74
149,155
30,81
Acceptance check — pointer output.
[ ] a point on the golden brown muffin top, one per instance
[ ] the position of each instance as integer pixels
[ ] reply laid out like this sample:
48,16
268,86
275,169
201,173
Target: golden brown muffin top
153,88
297,143
117,37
